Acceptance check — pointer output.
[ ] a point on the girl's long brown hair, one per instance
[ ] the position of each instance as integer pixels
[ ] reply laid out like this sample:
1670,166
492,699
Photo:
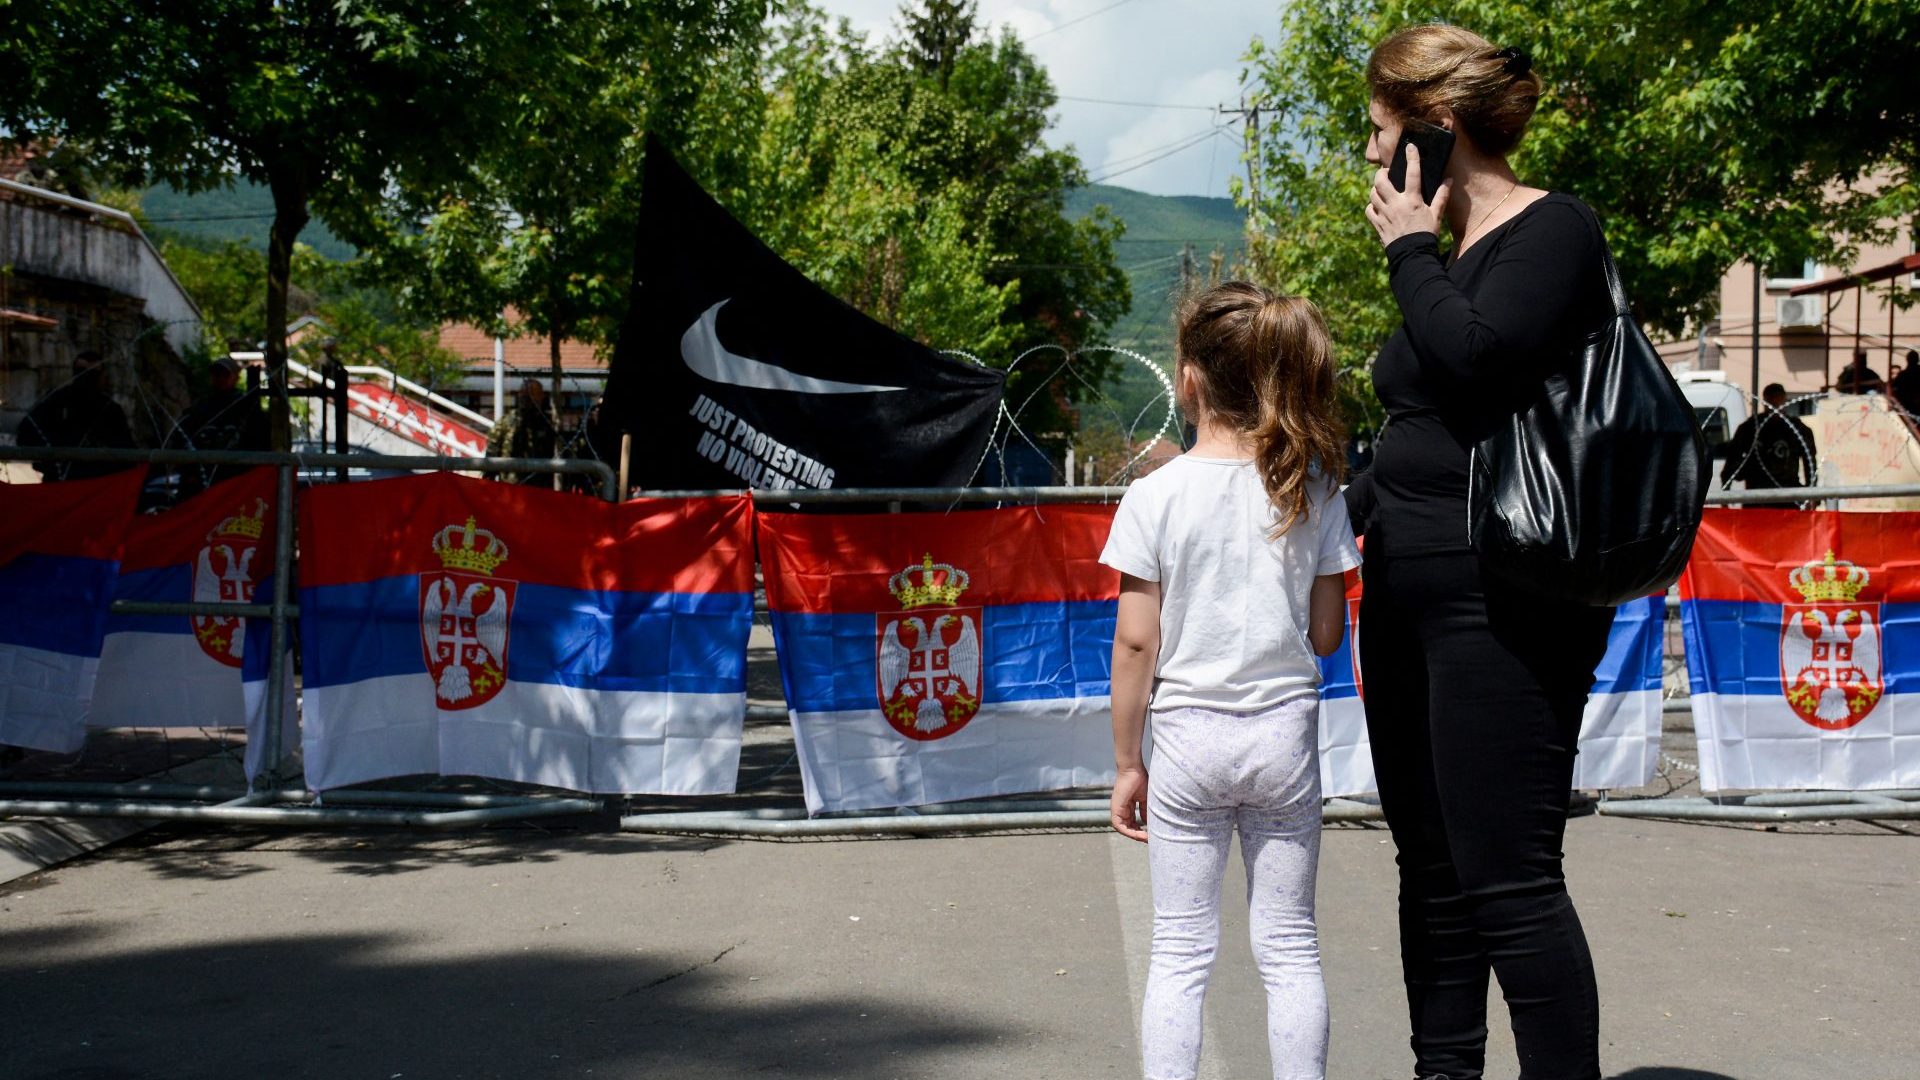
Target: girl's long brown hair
1264,364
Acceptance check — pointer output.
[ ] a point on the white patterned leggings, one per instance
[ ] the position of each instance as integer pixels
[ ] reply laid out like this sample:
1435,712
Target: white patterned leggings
1211,772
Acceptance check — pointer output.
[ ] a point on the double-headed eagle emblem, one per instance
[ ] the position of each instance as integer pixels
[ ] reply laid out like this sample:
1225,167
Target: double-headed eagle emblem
464,615
1830,645
928,669
223,573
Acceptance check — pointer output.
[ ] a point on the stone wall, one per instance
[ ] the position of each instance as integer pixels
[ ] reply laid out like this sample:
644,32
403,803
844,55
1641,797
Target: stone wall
147,377
106,288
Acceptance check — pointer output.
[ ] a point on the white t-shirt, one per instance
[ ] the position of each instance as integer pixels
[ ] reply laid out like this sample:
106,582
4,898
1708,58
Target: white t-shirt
1233,604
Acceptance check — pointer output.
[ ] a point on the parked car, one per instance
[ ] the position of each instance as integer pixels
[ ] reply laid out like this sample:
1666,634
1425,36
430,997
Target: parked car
1719,406
328,475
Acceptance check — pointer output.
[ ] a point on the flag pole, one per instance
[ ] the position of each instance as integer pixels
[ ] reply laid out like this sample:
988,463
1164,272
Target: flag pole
626,456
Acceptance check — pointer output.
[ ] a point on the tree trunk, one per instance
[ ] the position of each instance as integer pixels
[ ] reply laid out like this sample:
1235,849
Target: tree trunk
289,217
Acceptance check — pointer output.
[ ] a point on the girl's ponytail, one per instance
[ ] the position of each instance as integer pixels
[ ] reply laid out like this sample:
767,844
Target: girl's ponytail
1265,368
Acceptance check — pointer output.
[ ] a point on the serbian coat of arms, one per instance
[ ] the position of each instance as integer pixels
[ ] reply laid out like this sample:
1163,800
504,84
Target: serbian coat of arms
223,573
929,653
1830,646
465,611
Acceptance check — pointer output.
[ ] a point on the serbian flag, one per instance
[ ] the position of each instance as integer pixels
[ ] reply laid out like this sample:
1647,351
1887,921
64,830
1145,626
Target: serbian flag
254,672
180,670
1619,734
60,549
929,657
1346,755
464,627
1800,626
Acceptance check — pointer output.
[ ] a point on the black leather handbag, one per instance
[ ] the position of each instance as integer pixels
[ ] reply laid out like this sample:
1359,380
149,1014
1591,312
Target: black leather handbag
1592,490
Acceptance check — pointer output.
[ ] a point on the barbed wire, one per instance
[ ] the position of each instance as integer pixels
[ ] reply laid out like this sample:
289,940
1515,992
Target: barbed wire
1790,416
1091,388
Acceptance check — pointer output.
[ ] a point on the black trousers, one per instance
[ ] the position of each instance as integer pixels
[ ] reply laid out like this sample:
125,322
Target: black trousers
1474,694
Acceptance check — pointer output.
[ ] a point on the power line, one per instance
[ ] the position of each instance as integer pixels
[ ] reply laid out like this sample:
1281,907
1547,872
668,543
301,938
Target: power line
1104,177
1136,104
1150,264
1074,22
211,217
1128,159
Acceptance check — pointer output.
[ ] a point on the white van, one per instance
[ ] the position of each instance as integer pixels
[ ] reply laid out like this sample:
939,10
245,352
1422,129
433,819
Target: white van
1719,406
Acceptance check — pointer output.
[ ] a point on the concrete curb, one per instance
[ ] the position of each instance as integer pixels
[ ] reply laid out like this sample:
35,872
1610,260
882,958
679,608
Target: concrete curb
30,845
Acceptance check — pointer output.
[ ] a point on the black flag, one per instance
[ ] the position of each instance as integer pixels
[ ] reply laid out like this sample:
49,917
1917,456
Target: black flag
733,370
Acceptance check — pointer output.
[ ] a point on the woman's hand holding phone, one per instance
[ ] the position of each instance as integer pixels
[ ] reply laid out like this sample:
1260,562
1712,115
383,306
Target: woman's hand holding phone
1395,213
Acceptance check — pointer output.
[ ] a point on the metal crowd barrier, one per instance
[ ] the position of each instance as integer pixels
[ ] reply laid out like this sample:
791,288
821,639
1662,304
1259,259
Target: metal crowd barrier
1777,806
267,803
990,815
971,816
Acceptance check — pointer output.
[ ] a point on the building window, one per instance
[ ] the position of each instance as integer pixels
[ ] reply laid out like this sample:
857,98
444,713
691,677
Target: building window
1790,270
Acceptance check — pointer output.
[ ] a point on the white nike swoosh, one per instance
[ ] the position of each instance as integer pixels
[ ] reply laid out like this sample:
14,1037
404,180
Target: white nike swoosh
700,347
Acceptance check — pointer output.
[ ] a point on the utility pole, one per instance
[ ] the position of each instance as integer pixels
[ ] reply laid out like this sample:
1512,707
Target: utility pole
1754,390
499,374
1251,142
1186,269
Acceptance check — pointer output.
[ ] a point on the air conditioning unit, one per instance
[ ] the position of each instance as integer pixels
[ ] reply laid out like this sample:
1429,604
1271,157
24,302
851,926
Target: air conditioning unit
1799,312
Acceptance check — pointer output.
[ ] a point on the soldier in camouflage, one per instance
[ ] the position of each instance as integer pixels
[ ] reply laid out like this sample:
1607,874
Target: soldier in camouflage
526,431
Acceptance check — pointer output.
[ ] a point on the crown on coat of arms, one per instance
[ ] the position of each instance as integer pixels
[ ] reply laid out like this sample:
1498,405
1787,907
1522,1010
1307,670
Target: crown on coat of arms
928,584
1829,579
250,523
469,548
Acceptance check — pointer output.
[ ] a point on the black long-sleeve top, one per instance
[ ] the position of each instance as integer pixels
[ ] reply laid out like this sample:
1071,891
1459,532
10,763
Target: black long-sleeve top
1480,333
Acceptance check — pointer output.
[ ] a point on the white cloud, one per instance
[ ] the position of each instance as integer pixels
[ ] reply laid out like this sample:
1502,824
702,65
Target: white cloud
1180,52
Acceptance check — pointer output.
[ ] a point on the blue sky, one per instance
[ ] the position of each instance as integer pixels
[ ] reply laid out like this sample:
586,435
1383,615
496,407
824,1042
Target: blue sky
1173,52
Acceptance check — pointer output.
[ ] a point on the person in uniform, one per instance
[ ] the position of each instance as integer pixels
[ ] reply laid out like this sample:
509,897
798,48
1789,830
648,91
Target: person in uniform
526,431
226,418
1858,378
81,413
1771,449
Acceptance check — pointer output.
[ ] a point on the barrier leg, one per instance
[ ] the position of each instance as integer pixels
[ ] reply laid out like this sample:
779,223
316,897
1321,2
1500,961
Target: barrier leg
277,674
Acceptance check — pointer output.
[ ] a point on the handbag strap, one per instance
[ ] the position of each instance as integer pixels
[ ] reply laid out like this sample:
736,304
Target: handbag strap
1614,288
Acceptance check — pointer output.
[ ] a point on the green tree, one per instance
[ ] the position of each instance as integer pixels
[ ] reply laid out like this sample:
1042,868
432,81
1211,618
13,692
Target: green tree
936,210
546,228
326,102
368,323
1702,132
933,32
934,207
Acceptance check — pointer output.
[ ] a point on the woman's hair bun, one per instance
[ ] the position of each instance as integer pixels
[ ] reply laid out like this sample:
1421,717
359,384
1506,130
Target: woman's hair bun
1515,61
1422,71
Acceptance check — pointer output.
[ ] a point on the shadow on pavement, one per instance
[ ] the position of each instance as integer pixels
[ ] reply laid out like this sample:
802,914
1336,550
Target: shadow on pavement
217,853
376,1006
1669,1073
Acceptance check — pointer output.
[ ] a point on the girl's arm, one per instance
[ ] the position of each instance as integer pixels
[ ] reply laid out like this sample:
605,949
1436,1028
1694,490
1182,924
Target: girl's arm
1136,652
1326,613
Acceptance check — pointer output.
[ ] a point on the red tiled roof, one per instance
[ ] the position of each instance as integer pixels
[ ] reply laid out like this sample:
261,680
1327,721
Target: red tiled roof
474,345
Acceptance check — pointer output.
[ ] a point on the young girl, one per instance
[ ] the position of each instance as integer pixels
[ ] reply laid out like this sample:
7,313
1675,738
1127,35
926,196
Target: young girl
1231,559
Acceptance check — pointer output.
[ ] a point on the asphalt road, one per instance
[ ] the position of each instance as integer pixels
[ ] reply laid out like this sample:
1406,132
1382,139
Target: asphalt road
1724,954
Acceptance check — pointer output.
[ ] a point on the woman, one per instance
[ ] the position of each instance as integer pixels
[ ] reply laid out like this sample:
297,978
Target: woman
1475,687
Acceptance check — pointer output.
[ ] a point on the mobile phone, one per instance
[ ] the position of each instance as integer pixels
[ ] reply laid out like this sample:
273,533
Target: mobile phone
1436,146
